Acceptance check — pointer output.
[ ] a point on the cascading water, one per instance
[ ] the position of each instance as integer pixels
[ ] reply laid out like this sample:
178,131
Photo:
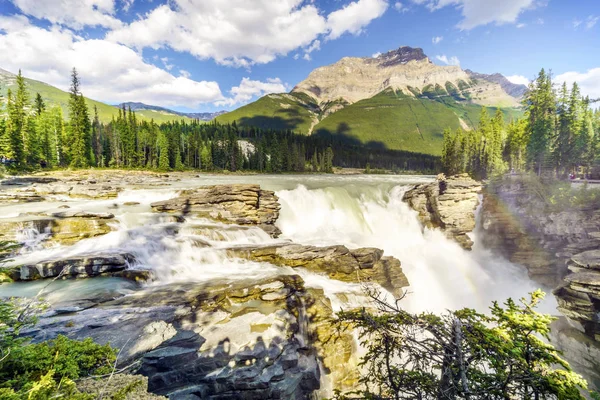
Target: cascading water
353,211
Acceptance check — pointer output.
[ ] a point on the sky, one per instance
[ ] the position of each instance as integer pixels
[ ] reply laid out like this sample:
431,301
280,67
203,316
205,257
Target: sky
208,55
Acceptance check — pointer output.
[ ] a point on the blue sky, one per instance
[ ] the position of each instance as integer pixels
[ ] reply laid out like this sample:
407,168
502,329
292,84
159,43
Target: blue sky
205,55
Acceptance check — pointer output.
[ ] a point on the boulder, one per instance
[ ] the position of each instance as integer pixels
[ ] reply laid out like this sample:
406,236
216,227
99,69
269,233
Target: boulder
241,204
448,204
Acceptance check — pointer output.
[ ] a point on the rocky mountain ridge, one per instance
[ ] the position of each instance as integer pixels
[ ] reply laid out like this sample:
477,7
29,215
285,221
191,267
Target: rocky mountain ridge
407,69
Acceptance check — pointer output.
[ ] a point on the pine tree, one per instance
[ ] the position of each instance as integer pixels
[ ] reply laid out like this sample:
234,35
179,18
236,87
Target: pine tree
540,101
163,151
79,126
40,106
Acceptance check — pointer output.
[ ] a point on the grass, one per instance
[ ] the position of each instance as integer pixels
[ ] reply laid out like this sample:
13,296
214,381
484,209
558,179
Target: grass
54,96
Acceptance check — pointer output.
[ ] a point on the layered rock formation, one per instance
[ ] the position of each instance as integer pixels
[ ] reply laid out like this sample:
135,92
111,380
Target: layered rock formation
448,204
239,204
579,296
338,262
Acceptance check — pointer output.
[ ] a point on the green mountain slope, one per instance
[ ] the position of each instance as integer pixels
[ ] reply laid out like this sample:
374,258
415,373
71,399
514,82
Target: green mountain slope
390,119
395,121
294,111
55,96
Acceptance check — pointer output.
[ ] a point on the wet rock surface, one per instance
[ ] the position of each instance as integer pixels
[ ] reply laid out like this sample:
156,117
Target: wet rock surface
337,262
448,204
215,341
81,266
239,204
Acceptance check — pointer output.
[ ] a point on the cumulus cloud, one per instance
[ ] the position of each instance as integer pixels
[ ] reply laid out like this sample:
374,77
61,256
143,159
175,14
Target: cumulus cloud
354,17
50,54
589,82
249,89
448,60
375,55
437,39
72,13
483,12
242,33
518,79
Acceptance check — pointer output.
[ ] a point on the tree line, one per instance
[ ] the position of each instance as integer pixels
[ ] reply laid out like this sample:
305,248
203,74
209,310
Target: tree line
559,135
33,134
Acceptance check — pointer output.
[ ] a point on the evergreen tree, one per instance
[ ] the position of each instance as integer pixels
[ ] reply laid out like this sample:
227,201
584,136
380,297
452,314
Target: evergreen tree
163,151
79,126
40,106
540,101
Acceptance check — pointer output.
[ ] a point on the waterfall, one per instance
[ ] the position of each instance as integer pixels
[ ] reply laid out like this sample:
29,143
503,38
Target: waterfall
442,275
319,210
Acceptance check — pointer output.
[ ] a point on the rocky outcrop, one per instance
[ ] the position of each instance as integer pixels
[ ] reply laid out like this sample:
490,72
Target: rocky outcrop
82,266
579,296
65,228
338,262
448,204
237,204
241,340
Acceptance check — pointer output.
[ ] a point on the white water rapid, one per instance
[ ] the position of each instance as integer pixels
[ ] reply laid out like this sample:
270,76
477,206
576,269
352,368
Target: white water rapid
361,211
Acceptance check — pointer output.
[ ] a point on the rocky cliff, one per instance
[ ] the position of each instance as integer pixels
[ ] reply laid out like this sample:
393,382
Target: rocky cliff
448,204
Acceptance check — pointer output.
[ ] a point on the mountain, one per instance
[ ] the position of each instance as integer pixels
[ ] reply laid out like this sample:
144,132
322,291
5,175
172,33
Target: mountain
141,107
514,89
399,100
54,96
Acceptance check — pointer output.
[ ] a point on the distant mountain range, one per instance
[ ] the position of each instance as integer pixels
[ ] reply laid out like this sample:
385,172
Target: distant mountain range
203,116
399,100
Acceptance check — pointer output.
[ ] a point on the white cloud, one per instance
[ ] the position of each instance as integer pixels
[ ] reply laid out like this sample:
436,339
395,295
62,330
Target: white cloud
576,23
240,32
316,45
354,17
589,82
375,55
591,21
483,12
539,21
448,61
50,54
521,25
518,79
400,7
248,89
72,13
437,39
